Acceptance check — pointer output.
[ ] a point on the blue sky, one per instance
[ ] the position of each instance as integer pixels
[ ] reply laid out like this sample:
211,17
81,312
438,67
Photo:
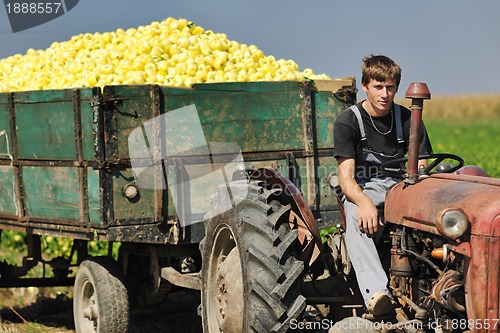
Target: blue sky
452,45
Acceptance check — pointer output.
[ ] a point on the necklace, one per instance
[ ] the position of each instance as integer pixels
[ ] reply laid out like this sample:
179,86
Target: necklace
376,129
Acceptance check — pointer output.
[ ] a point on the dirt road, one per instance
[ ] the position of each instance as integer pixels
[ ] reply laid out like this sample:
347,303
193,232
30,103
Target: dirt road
47,312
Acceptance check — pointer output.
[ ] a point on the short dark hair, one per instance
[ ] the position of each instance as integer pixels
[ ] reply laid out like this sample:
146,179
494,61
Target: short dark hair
380,68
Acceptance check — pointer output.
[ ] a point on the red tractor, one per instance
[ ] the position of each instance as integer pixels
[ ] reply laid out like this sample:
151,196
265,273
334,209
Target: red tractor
264,261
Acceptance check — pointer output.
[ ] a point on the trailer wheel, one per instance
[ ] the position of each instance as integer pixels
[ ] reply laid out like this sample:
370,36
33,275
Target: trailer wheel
100,301
250,276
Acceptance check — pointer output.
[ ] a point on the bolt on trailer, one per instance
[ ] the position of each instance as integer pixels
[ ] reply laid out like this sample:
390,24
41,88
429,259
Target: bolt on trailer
136,165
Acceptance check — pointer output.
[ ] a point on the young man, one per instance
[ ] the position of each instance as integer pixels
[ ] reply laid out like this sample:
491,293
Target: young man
366,135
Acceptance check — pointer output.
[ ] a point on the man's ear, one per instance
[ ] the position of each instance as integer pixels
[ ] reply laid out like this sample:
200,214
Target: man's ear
363,86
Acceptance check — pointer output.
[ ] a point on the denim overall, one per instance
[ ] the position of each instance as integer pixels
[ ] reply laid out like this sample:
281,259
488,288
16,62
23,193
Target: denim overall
361,247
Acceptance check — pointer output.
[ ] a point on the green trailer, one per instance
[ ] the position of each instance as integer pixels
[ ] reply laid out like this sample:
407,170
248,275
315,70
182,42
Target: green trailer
70,163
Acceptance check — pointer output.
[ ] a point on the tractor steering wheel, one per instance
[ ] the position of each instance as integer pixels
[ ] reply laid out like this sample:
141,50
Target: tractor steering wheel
396,168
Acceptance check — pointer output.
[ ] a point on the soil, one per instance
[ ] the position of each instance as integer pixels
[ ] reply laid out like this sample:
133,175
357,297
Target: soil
50,310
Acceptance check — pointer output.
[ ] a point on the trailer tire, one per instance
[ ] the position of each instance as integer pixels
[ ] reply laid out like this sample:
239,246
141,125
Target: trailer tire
250,276
100,300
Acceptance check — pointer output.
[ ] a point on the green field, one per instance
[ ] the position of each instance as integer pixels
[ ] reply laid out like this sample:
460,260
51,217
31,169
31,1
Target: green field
476,141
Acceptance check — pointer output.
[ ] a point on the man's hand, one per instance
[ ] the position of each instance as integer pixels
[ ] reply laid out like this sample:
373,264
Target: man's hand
368,219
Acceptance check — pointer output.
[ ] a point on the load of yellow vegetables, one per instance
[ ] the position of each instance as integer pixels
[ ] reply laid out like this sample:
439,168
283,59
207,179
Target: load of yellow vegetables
173,52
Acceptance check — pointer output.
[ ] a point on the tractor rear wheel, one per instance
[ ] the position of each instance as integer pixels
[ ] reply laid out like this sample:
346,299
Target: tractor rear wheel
250,276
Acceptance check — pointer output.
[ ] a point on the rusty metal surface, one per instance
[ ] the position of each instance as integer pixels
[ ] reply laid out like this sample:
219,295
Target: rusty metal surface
420,206
18,190
309,142
482,297
472,170
418,90
414,145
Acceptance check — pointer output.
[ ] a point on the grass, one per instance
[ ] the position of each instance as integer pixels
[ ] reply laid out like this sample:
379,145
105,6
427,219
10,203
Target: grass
476,141
40,311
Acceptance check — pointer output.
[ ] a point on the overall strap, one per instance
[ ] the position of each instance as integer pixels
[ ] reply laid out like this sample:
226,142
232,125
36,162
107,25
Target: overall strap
356,112
399,130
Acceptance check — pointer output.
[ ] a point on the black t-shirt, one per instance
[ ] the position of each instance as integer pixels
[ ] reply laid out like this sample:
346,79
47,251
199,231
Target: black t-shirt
347,136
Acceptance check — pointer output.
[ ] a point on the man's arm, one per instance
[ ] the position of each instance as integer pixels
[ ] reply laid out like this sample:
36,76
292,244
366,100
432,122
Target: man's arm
368,219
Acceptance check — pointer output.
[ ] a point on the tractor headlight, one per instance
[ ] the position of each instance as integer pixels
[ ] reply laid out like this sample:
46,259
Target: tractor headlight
453,224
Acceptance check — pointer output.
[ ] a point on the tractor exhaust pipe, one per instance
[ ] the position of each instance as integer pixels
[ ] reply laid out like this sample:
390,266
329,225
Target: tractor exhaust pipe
417,91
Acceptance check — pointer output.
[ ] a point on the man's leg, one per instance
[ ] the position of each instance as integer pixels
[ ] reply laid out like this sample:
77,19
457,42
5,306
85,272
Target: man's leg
361,248
364,256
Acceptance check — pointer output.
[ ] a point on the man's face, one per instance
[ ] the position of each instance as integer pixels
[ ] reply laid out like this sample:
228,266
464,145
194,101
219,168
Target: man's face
380,94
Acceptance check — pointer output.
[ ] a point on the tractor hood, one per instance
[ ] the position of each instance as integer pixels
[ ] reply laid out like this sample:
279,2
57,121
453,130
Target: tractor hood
422,205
